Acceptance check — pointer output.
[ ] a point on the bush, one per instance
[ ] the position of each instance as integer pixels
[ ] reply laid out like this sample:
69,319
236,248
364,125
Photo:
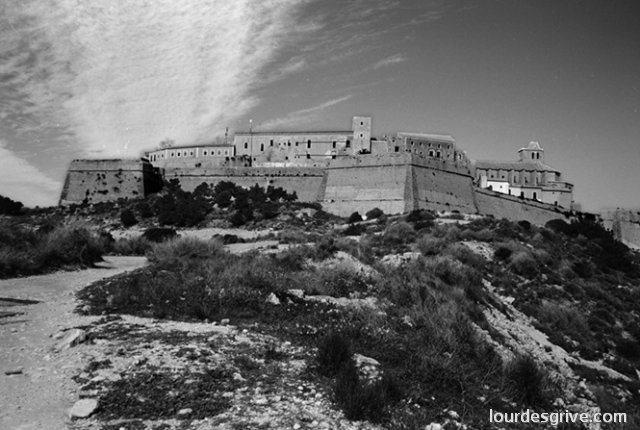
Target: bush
9,207
360,400
127,218
374,213
158,234
334,350
528,383
69,246
399,233
523,264
429,245
354,217
181,251
131,246
502,253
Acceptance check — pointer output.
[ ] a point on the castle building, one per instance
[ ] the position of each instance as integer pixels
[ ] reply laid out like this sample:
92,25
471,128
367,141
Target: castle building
345,171
527,178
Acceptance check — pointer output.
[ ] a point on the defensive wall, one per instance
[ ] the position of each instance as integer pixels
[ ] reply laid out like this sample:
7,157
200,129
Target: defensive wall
396,183
514,208
95,181
393,182
307,182
625,225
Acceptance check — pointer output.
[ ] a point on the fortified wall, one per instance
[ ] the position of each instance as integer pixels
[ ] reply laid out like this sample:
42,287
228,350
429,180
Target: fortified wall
345,171
625,225
95,181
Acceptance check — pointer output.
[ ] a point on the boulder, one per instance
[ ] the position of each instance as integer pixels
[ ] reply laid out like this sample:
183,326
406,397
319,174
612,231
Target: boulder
83,408
72,338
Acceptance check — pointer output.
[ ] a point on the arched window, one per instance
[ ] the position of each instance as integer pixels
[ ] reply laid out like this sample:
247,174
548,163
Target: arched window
262,147
431,153
532,155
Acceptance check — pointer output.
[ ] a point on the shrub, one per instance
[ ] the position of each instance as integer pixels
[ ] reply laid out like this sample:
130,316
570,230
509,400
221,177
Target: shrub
127,218
181,251
465,255
355,230
523,264
528,383
526,225
9,207
69,246
429,245
502,253
354,217
360,400
334,350
399,233
158,234
131,246
374,213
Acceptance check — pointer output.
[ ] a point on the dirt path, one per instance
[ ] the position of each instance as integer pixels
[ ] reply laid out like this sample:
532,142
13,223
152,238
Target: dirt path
39,396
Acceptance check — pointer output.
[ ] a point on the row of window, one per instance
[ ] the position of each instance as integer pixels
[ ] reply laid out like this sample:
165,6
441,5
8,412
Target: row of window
308,143
429,144
189,153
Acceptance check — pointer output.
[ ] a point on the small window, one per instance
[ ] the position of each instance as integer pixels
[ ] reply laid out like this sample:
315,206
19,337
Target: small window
333,145
348,144
396,149
262,147
361,122
226,152
246,145
532,156
178,153
271,142
438,154
204,152
309,144
431,153
308,156
535,196
333,156
191,153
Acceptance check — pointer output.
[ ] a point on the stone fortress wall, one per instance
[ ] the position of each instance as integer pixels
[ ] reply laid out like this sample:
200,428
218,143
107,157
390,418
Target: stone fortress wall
95,181
625,224
346,171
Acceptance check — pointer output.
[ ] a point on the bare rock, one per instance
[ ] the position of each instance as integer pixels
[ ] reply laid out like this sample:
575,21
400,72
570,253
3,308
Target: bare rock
83,408
273,300
433,426
185,411
72,338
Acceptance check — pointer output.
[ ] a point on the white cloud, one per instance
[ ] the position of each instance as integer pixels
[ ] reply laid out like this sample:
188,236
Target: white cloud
390,61
302,115
21,181
121,76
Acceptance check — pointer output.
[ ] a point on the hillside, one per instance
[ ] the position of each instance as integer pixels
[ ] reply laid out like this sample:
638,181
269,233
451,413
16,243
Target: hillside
395,322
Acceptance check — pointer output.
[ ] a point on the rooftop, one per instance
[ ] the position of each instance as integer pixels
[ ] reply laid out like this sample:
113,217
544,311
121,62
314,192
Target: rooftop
515,165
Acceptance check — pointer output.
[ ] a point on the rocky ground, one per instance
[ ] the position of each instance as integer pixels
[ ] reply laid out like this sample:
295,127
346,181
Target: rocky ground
36,368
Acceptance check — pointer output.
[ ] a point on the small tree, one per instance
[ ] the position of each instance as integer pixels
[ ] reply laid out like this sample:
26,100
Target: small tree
128,218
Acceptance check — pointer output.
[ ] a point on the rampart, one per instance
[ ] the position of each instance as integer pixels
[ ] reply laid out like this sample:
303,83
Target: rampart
95,181
625,225
514,208
393,182
307,182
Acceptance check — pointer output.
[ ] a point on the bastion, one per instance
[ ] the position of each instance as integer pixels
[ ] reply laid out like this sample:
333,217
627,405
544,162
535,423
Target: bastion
346,171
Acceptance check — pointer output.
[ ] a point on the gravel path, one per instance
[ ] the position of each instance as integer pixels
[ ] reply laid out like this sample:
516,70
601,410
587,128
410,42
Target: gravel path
40,392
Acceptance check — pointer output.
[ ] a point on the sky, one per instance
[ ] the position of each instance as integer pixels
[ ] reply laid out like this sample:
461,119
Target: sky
95,79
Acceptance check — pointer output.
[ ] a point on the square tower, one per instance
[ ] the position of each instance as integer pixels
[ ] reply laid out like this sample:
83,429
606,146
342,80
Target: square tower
361,127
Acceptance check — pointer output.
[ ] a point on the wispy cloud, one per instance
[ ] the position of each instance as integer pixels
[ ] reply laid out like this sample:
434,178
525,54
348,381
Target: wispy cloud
302,115
121,76
23,182
390,61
